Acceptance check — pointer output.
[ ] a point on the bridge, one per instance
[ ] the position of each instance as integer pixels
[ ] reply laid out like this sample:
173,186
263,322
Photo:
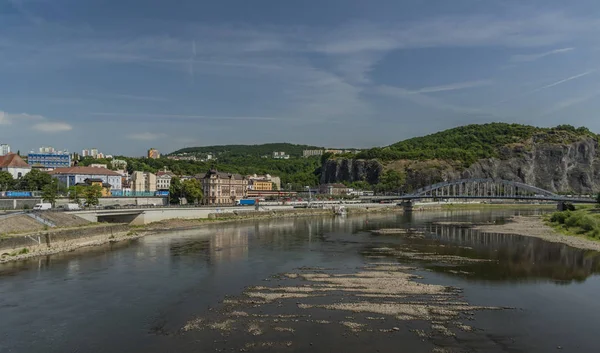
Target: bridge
488,189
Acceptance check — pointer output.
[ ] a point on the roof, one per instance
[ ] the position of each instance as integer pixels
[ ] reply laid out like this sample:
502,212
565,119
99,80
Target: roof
223,175
13,160
83,171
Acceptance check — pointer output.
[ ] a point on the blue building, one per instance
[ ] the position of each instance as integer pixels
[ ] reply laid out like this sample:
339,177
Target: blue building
49,160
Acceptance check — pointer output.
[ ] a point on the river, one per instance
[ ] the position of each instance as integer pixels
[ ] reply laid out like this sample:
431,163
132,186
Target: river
309,285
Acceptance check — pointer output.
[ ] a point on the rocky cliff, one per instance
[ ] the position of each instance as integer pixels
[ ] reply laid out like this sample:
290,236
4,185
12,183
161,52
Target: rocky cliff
562,168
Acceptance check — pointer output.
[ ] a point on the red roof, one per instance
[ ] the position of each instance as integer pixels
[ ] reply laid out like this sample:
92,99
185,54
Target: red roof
84,171
13,160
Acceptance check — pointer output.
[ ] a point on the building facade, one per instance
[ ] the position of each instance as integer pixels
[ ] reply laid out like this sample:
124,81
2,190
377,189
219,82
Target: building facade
280,155
143,182
153,153
50,160
4,149
15,165
77,175
163,179
333,189
311,153
223,188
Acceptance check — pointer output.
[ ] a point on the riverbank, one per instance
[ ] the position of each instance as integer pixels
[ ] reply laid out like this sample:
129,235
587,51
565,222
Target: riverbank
17,247
535,226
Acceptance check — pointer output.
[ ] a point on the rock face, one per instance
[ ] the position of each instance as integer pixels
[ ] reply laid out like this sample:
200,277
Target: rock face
558,168
351,170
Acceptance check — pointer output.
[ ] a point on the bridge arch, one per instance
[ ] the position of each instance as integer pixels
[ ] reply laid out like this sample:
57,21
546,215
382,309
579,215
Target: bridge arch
482,188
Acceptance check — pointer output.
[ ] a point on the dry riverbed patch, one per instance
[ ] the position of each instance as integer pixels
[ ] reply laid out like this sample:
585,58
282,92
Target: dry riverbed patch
380,298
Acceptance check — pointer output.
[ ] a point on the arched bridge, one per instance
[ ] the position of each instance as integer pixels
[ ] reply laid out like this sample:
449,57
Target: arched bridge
489,189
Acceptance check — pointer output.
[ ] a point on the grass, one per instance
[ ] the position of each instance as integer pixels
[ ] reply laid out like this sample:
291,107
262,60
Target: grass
584,222
462,206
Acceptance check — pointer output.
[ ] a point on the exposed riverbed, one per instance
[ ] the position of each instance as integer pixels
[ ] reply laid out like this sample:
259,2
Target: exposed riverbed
427,284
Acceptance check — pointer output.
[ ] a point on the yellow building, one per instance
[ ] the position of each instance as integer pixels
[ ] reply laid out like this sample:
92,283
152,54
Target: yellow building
260,185
153,153
91,182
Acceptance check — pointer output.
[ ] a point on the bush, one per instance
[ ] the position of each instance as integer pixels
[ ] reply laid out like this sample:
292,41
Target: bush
560,217
588,223
574,220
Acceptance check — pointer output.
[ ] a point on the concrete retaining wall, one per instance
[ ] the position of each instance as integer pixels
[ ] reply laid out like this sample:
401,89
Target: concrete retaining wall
58,237
17,204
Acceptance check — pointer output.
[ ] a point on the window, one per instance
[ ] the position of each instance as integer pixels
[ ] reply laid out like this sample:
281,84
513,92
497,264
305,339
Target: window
19,175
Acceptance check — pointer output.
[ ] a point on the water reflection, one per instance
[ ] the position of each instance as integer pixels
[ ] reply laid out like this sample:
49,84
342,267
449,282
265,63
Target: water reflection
515,258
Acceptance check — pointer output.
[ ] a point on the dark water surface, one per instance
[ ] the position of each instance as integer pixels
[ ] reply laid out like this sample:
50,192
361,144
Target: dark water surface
137,296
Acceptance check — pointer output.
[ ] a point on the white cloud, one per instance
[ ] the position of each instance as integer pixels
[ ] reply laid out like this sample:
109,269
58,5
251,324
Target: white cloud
140,98
533,57
51,127
186,117
146,136
562,81
8,118
571,102
454,86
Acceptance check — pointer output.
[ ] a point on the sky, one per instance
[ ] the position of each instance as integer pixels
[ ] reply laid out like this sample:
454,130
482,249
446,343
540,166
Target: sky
126,75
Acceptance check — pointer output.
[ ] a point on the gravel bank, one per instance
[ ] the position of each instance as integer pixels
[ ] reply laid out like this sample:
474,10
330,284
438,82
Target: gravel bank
534,226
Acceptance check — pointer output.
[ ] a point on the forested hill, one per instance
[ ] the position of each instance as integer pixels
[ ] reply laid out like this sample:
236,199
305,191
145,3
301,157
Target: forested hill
469,143
247,150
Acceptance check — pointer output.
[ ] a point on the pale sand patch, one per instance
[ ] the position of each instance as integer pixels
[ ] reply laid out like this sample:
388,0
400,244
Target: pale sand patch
268,297
193,325
254,329
223,325
353,326
533,226
284,329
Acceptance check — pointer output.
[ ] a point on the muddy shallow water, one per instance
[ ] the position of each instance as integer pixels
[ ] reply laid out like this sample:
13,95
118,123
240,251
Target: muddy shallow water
430,284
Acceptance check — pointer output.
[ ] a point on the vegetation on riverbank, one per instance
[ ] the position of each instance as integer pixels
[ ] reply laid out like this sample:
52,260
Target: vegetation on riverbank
471,206
582,222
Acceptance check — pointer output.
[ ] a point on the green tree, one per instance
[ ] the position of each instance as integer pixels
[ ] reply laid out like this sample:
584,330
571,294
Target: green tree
598,199
92,195
175,190
6,181
35,180
76,193
391,180
192,190
50,192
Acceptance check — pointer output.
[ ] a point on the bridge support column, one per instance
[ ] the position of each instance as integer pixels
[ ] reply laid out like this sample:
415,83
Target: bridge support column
407,205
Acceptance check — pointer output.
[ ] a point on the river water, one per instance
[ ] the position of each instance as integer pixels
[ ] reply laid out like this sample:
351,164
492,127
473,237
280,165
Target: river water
298,285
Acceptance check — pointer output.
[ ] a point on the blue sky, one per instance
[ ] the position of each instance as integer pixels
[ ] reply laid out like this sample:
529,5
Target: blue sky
127,75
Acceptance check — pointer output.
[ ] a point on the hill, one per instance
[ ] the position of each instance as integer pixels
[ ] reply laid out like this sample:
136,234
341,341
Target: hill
467,144
247,150
560,159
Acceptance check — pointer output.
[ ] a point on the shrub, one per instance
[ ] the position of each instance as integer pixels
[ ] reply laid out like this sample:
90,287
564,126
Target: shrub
560,217
574,220
588,223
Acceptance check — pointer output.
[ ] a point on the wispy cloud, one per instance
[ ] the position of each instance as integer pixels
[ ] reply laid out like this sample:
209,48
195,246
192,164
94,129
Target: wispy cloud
426,101
40,123
534,57
454,86
571,102
140,98
146,136
52,127
186,117
553,84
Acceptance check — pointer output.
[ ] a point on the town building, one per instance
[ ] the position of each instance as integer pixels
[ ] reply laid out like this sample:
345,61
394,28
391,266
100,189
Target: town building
85,153
333,189
46,149
143,182
153,153
98,165
163,179
4,149
280,155
15,165
311,153
334,151
223,188
76,175
263,182
94,153
105,187
49,160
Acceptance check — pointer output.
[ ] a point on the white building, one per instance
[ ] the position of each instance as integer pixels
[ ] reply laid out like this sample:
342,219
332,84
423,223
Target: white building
311,153
163,181
4,149
280,155
75,175
85,153
94,152
15,165
119,163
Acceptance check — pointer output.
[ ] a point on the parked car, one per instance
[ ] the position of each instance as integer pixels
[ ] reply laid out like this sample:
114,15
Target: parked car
42,206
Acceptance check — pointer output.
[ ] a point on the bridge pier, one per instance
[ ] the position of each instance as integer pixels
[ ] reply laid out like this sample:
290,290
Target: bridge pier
407,205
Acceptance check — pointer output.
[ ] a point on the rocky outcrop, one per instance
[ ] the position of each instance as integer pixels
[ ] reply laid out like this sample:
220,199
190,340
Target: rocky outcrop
351,170
559,168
